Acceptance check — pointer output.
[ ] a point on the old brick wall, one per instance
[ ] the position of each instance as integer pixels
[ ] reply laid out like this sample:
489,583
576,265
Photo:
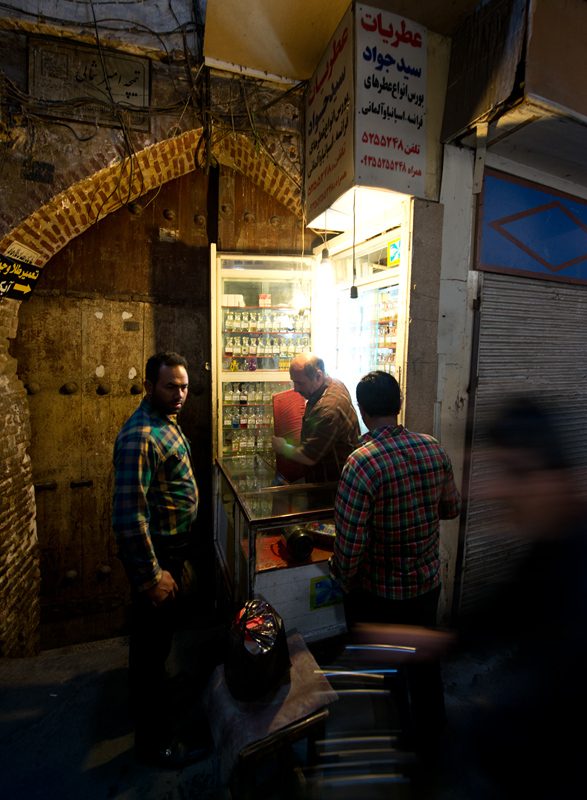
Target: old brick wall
19,566
90,177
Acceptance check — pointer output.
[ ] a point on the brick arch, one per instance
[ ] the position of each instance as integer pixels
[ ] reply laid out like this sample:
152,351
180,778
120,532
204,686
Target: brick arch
69,214
47,231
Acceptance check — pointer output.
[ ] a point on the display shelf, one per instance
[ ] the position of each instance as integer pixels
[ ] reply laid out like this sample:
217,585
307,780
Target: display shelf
259,330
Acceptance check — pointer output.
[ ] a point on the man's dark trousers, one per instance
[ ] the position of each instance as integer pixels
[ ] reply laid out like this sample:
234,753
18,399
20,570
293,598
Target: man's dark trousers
150,641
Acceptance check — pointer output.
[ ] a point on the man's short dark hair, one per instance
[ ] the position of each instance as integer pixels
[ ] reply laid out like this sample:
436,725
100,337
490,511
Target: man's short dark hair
312,366
379,395
168,358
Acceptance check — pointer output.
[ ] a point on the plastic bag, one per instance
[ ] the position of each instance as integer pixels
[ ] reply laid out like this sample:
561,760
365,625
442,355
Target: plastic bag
257,657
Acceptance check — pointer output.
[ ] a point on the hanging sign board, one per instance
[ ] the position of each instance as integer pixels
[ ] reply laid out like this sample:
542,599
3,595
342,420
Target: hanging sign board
329,123
366,109
390,148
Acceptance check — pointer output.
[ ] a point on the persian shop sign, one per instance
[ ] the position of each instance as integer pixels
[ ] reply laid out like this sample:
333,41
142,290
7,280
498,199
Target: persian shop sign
366,109
17,277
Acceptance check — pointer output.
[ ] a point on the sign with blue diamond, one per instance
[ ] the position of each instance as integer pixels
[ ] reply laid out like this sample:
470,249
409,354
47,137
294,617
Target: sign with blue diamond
531,230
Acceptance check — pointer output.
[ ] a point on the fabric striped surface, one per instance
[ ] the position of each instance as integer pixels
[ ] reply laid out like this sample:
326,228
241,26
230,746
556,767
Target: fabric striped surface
288,412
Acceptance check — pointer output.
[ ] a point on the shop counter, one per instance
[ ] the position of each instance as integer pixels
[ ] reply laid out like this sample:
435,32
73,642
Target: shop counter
273,540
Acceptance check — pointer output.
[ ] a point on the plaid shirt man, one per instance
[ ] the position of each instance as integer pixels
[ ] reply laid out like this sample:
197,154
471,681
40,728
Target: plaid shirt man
155,491
330,431
393,491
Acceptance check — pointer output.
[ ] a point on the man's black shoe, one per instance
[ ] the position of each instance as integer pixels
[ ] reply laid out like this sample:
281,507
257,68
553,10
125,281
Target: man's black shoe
176,755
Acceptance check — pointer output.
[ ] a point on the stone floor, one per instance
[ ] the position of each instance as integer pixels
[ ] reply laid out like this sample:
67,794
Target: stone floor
64,732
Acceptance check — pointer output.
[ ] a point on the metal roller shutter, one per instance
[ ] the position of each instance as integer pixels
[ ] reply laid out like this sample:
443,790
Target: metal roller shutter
532,340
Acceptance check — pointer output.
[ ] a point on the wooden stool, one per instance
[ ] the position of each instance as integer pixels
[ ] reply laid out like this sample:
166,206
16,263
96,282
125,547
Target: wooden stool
278,745
247,734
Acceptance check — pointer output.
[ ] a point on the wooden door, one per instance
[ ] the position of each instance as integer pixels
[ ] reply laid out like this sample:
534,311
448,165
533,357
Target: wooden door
82,361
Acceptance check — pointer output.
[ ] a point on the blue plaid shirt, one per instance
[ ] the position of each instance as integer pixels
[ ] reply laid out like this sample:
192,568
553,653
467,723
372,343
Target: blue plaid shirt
155,492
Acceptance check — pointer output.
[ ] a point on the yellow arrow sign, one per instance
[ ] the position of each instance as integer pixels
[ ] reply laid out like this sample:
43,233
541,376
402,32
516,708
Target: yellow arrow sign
13,270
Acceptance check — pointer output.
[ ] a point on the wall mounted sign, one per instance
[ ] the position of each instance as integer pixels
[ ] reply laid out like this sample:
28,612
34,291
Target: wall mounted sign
531,230
17,278
79,75
366,109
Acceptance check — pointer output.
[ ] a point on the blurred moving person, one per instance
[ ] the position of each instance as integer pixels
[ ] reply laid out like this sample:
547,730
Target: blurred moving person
526,738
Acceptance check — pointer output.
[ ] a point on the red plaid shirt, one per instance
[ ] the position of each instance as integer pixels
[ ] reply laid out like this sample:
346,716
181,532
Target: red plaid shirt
393,491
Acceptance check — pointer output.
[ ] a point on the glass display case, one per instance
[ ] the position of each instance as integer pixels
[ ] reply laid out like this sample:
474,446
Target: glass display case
263,319
273,541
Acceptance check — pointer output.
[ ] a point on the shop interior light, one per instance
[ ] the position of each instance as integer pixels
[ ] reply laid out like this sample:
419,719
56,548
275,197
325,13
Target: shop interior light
301,301
325,261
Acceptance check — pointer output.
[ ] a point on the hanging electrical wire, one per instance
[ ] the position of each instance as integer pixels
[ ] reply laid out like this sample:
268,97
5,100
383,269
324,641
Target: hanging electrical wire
248,112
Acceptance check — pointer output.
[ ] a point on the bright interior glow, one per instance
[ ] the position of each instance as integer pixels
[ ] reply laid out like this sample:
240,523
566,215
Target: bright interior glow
300,301
375,209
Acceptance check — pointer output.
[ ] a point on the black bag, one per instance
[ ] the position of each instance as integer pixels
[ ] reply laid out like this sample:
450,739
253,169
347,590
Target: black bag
257,658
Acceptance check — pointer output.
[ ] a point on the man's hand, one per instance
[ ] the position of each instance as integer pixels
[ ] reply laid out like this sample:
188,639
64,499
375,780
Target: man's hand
283,448
278,443
163,591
